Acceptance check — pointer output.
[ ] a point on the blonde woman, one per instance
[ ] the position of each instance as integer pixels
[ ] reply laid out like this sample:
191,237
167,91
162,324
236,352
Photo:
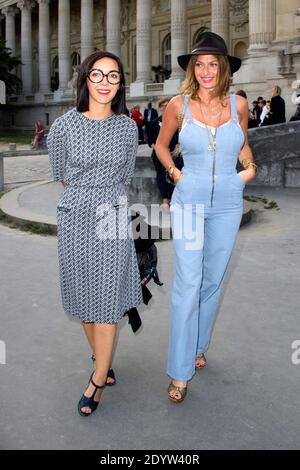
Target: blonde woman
277,106
212,138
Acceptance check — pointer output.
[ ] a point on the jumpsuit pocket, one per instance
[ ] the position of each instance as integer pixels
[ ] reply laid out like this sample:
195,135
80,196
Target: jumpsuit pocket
241,179
180,181
237,187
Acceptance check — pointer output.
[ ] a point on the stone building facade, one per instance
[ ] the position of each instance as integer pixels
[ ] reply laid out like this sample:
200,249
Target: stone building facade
52,37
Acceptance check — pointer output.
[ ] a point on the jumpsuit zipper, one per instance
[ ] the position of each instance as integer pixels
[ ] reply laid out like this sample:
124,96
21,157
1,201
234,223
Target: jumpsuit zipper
213,179
213,168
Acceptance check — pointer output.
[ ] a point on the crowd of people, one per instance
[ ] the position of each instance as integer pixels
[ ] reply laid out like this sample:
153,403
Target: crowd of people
143,121
265,112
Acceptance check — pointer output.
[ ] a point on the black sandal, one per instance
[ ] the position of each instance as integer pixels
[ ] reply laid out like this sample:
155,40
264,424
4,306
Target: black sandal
110,374
89,402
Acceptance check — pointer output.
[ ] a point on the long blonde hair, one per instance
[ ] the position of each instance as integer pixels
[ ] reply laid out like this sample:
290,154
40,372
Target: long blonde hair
191,86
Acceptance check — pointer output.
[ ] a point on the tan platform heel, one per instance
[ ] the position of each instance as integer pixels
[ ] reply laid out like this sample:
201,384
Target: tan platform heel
181,390
200,361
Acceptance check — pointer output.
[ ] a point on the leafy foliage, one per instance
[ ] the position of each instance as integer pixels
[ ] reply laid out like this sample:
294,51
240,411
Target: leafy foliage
7,64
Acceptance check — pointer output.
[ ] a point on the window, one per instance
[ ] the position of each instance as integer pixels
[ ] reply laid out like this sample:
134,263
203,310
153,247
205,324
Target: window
75,59
166,55
54,74
240,50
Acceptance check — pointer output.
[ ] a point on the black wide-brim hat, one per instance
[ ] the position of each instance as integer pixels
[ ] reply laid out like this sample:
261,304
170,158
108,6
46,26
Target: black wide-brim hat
210,43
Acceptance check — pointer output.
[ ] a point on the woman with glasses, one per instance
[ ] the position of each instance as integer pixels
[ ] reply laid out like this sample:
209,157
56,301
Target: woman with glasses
92,149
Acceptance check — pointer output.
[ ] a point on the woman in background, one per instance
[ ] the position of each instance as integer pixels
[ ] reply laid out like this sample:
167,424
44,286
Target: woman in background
39,134
166,189
277,106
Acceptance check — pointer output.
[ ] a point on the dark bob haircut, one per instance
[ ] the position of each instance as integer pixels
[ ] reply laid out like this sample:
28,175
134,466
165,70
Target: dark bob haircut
118,104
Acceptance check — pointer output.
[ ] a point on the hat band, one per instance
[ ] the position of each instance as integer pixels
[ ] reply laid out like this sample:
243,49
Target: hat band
210,49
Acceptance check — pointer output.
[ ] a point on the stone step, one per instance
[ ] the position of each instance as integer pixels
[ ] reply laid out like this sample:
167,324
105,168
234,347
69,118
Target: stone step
37,203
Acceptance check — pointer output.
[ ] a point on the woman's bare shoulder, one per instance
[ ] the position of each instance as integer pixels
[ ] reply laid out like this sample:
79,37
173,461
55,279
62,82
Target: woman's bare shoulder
175,103
241,103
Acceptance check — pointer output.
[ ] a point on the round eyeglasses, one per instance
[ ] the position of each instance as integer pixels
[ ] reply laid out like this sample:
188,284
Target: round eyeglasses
96,76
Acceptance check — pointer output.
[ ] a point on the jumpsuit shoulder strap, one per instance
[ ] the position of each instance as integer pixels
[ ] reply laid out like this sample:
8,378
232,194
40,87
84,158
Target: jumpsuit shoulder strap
186,112
233,106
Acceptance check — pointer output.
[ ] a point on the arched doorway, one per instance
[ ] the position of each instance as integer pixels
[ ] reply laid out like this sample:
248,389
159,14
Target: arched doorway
166,57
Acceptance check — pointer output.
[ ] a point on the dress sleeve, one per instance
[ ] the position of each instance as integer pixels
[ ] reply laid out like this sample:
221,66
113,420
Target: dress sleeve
132,146
57,150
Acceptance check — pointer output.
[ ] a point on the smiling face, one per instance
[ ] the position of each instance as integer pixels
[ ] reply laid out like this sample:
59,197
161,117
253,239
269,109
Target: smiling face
103,92
206,71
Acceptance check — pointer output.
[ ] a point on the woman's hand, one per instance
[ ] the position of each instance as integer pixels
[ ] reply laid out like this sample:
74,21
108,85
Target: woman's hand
176,175
248,175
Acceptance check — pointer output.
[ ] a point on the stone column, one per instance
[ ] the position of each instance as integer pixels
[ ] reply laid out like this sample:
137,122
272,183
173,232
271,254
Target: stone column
220,19
10,37
113,27
262,25
261,62
87,28
64,44
44,47
178,44
143,47
26,44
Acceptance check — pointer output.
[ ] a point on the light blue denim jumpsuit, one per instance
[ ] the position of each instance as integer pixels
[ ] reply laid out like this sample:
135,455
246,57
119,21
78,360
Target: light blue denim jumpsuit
211,183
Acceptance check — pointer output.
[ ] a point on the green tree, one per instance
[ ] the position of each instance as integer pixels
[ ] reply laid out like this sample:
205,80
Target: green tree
7,65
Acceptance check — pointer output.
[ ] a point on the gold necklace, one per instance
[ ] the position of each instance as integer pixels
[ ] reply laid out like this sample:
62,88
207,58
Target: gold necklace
213,116
212,144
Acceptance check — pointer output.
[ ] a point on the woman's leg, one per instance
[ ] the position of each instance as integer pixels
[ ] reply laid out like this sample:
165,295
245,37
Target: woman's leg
104,339
34,143
220,237
188,257
89,331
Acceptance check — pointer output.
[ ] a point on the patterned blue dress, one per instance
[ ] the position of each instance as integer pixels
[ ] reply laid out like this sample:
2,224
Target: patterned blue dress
99,273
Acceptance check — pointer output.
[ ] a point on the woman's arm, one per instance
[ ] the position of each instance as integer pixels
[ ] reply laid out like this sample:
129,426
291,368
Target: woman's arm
245,155
167,131
132,147
57,150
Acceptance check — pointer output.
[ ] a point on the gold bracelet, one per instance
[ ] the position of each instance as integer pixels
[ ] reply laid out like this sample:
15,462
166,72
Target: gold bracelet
253,165
245,160
249,163
171,169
